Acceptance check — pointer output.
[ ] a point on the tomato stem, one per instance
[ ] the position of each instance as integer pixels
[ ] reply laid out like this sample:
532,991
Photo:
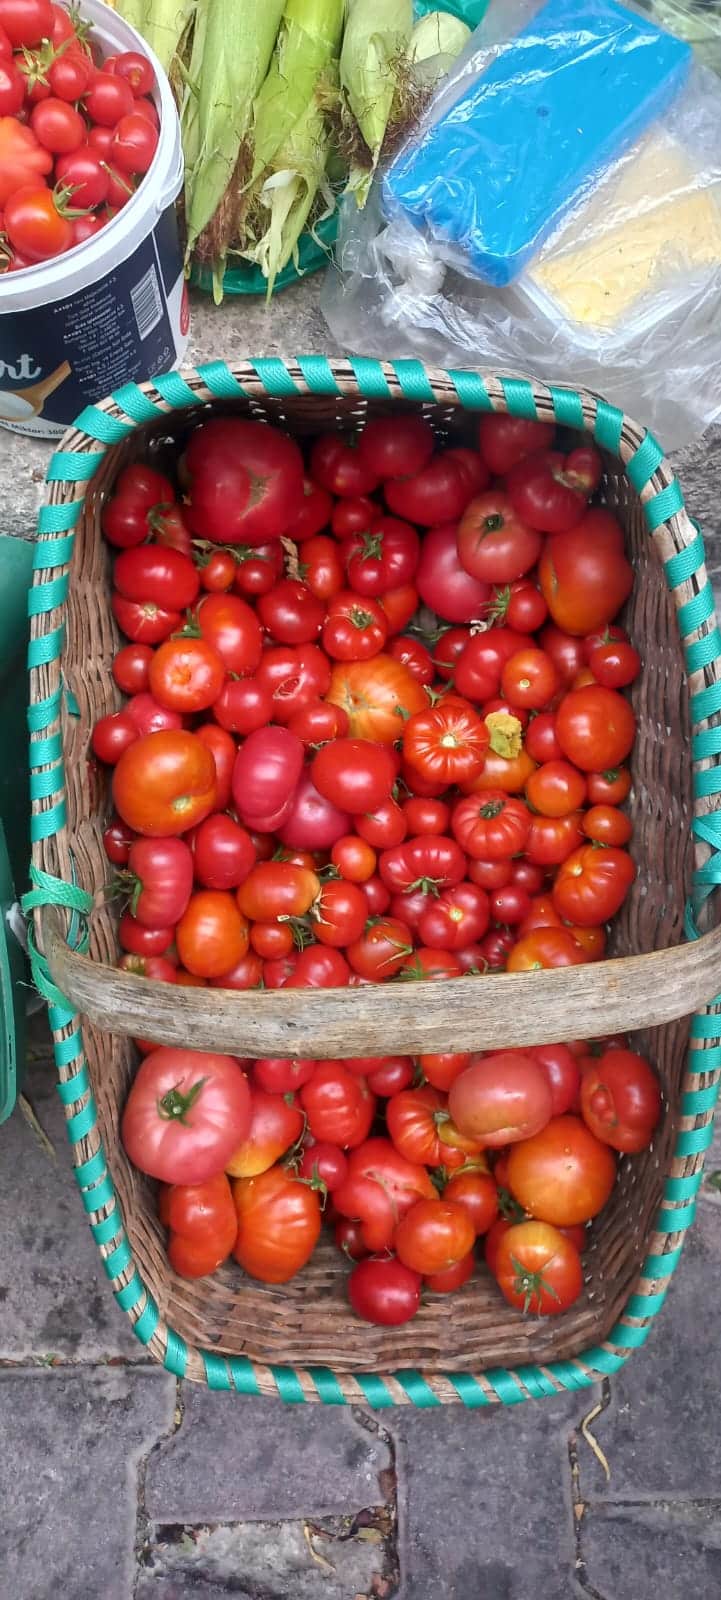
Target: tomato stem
174,1105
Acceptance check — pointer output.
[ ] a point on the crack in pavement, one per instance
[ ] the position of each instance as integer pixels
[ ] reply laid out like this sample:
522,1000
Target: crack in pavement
143,1526
579,1505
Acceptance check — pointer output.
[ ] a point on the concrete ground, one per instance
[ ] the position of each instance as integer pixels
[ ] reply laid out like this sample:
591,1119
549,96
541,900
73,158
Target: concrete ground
117,1483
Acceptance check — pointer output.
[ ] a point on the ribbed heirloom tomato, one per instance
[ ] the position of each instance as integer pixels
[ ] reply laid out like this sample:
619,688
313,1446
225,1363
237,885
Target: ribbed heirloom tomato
621,1100
184,1115
376,695
279,1220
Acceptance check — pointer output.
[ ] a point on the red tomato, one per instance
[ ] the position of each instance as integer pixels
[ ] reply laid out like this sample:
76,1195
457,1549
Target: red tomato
545,947
595,728
117,839
277,889
274,1123
279,1221
538,1269
493,543
492,826
324,1166
203,1225
453,1278
136,70
442,1070
131,668
354,516
550,491
434,1236
621,1100
35,223
319,968
414,655
428,861
607,825
142,941
502,1098
148,716
291,612
211,936
521,605
245,481
380,1187
592,883
584,575
223,751
390,1074
354,858
440,491
258,567
184,1115
615,665
477,1193
281,1075
160,880
426,815
456,918
165,783
340,914
223,853
111,736
314,513
135,141
381,949
108,99
564,1174
413,1118
322,567
186,675
384,1291
555,789
609,788
152,572
478,669
26,22
540,740
563,1074
59,128
551,839
296,677
505,440
447,742
529,679
266,771
376,696
337,465
338,1106
355,629
354,774
396,447
444,584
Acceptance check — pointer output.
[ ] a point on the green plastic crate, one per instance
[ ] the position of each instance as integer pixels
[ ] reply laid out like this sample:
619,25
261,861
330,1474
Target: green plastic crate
16,559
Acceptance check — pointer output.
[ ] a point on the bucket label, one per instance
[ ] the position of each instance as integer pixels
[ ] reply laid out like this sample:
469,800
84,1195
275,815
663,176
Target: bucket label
57,358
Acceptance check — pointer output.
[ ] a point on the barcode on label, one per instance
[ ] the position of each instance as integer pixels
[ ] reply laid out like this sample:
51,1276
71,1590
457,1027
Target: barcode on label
147,303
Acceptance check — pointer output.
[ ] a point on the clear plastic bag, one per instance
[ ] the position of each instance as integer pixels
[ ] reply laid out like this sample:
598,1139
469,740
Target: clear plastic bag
622,295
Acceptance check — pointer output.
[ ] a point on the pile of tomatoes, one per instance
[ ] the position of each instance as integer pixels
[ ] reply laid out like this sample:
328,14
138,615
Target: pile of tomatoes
76,132
375,731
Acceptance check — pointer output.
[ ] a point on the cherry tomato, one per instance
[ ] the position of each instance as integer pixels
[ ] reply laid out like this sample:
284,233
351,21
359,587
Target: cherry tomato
136,70
396,447
339,1107
108,99
324,1166
35,225
540,741
321,569
135,141
453,1278
607,825
442,1070
313,515
458,917
223,853
354,858
186,674
381,949
529,679
556,789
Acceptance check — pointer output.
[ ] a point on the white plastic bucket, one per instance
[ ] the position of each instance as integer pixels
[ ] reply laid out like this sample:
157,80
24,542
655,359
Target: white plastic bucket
111,310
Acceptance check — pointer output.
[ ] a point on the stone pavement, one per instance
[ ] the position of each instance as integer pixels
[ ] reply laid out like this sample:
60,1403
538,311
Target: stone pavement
117,1483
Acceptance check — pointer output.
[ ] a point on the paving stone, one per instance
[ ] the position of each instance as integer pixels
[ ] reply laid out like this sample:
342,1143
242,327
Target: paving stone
484,1501
54,1295
71,1441
262,1459
263,1561
659,1434
643,1552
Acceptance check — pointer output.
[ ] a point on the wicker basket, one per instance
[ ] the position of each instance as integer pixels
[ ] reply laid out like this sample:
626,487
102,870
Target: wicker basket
301,1341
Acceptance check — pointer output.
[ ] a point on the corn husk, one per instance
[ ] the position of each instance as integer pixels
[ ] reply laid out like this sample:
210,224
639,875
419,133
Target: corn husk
436,41
308,40
375,46
237,48
162,23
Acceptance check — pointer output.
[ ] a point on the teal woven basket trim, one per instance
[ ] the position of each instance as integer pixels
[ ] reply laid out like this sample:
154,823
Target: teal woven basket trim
645,1305
92,1170
175,391
100,1196
60,518
705,703
696,611
567,407
519,397
683,1188
417,1389
44,784
682,566
130,1294
705,1026
696,1101
105,429
327,1386
709,828
537,1383
605,1361
46,648
216,1370
414,381
118,1260
56,552
644,462
67,1049
107,1228
137,405
45,823
275,377
44,712
662,1266
663,505
57,891
147,1321
370,377
318,375
707,782
706,744
569,1375
74,1088
691,1141
81,1123
471,389
68,467
608,427
289,1387
505,1384
630,1338
44,751
374,1390
469,1390
700,1060
71,704
243,1375
675,1219
176,1355
59,1016
700,652
218,378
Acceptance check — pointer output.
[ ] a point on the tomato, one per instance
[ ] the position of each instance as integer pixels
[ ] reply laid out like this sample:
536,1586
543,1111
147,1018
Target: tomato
354,774
160,880
383,558
319,968
447,742
57,126
348,1237
277,889
337,465
428,861
388,1075
223,853
507,774
621,1100
291,612
131,668
413,1118
354,516
556,789
492,826
376,695
396,447
607,825
203,1224
111,736
501,1098
324,1166
584,575
243,705
381,949
551,839
434,1236
139,491
266,771
211,936
520,604
68,77
218,571
595,727
505,440
135,70
550,491
296,676
540,740
135,141
493,543
134,937
275,1122
458,917
383,1291
339,1107
563,1074
414,655
440,491
442,1070
477,1193
281,1075
545,947
563,1174
380,1187
529,679
444,584
480,664
108,99
222,749
245,480
184,1115
186,674
117,839
541,913
509,904
615,665
144,621
164,783
426,815
321,571
34,223
609,788
354,858
354,629
279,1221
592,883
26,22
538,1269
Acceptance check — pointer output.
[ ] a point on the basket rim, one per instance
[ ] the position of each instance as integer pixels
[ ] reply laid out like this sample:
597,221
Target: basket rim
681,546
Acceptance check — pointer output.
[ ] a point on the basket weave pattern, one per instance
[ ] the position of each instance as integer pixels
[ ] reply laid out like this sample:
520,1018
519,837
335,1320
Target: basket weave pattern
301,1341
